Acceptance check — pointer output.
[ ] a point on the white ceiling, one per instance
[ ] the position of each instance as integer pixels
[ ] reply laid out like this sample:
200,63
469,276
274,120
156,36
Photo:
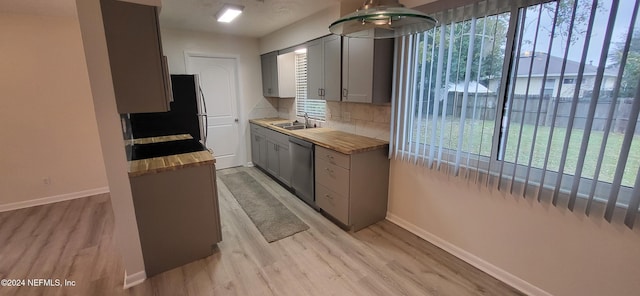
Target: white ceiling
259,18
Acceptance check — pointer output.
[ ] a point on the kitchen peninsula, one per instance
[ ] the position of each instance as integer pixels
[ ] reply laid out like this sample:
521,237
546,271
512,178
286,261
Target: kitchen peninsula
176,202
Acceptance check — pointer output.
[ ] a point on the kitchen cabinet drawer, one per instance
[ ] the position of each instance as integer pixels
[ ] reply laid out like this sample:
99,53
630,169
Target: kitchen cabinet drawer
258,129
332,176
333,157
277,137
334,204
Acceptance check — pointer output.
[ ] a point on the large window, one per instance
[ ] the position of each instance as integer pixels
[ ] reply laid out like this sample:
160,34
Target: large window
540,100
315,109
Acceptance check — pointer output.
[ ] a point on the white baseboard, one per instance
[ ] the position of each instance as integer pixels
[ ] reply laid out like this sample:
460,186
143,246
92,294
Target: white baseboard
134,279
474,260
51,199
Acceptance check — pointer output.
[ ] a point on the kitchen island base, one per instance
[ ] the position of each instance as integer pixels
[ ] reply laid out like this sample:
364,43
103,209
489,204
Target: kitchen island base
178,216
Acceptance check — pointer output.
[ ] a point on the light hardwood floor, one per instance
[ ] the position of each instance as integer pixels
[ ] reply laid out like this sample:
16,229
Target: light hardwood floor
73,240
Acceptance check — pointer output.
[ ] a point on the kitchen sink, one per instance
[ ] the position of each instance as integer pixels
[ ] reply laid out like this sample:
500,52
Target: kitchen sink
291,125
294,127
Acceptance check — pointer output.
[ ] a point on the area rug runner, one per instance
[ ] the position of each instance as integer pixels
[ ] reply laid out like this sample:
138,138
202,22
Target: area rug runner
270,216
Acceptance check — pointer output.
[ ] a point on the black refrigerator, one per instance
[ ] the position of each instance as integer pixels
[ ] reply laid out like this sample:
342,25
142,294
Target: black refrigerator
187,113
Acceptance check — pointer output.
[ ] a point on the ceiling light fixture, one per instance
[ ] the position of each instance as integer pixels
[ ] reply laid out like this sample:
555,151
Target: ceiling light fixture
380,19
229,12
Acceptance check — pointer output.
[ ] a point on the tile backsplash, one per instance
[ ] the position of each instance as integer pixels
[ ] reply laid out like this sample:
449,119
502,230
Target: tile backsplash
265,108
360,119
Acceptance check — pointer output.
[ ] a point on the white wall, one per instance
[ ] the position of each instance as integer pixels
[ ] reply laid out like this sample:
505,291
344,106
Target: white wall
47,124
560,252
251,102
309,28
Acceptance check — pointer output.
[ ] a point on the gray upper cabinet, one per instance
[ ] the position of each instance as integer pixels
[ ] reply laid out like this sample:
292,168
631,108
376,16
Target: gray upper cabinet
323,68
278,75
367,67
140,75
270,74
315,69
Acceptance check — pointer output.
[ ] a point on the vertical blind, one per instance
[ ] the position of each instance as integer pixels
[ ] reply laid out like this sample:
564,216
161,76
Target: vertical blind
314,108
536,98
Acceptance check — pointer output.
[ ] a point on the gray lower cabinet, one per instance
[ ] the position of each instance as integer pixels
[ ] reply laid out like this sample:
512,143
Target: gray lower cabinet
270,151
258,146
141,80
178,216
352,188
284,164
273,158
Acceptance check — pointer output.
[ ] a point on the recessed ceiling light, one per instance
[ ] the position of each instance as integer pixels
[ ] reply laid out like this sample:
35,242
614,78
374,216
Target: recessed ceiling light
229,12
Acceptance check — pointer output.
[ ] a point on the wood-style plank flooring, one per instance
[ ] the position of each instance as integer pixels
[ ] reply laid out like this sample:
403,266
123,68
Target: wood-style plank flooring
74,240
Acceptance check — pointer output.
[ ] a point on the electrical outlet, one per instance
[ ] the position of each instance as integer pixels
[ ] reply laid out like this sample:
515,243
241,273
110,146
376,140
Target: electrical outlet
46,180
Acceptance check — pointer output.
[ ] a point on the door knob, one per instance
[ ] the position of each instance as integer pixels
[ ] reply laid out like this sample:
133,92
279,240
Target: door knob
236,120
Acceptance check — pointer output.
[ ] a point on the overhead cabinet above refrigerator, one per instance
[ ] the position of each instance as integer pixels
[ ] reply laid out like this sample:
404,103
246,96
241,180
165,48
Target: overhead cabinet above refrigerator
138,68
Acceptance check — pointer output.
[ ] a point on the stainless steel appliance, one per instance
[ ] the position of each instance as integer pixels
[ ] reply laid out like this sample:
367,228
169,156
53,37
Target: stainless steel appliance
302,171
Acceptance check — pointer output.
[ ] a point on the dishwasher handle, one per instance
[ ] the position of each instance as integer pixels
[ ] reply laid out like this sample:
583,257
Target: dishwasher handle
302,143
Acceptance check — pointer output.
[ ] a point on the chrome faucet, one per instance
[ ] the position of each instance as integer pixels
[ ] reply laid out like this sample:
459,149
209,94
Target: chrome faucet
306,120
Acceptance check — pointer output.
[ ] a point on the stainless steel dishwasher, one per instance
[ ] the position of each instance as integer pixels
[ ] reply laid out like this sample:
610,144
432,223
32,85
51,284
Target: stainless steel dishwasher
302,171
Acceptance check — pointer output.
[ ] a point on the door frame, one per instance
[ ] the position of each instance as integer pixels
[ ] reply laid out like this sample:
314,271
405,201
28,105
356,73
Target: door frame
242,125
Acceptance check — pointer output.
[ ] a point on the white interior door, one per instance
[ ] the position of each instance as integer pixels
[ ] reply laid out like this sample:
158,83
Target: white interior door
219,84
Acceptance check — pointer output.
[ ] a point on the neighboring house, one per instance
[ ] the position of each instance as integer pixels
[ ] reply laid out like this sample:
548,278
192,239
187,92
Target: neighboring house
554,72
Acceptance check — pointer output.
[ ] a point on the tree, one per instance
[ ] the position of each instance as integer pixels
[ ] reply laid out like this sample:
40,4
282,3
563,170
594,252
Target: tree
631,72
565,13
491,54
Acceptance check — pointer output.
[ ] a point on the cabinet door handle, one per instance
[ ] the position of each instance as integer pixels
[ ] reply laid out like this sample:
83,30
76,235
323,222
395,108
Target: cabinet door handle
328,196
329,156
319,92
322,92
329,170
344,92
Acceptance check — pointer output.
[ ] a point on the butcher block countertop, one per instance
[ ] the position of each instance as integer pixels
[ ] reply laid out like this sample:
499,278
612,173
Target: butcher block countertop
342,142
167,163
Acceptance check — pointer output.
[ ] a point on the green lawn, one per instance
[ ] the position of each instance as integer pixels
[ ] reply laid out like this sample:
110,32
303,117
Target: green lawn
478,138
